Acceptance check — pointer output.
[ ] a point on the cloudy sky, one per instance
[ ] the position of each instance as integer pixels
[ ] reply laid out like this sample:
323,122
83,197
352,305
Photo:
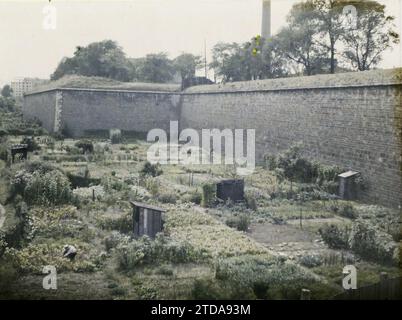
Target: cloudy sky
139,26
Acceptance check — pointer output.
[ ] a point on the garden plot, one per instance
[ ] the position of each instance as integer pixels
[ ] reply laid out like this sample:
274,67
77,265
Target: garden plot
224,251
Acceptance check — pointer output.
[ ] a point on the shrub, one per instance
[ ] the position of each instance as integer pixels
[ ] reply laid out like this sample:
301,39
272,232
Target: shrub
31,143
208,289
311,261
152,170
3,152
167,198
165,270
240,222
208,195
123,223
85,145
113,240
51,188
334,237
3,132
347,211
371,243
251,202
115,136
144,251
266,276
194,197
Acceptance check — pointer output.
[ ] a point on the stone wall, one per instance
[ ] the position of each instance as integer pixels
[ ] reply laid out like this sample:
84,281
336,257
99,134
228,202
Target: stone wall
41,106
353,120
81,111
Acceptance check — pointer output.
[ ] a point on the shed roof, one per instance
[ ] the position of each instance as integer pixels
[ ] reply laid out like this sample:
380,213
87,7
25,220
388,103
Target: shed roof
348,174
147,206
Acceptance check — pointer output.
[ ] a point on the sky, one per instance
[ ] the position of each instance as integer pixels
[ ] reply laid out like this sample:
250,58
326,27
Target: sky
27,49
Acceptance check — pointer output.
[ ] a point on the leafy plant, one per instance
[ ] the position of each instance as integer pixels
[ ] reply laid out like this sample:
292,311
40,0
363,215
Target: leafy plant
152,170
208,195
85,145
335,237
115,136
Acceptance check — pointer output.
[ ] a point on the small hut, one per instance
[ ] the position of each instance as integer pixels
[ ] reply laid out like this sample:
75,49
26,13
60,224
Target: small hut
230,189
147,219
347,185
19,149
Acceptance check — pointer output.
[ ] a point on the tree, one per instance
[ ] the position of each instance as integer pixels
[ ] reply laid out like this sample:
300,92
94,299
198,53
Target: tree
298,41
103,59
263,59
330,18
157,68
365,43
187,64
227,61
6,92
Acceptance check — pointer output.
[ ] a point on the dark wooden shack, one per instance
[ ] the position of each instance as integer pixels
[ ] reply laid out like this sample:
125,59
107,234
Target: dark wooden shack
230,189
347,185
19,149
147,219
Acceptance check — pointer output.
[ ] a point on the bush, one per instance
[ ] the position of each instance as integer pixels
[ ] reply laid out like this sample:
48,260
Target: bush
115,136
347,211
311,261
85,145
3,132
31,143
113,240
144,251
165,270
267,277
208,289
240,222
371,243
251,202
51,188
208,195
194,197
3,152
123,223
167,198
152,170
334,237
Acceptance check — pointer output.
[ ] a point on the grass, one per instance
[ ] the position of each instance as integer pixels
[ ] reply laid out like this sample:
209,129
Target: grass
75,81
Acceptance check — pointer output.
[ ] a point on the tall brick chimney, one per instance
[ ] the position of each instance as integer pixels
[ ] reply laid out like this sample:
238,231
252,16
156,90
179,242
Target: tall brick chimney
266,19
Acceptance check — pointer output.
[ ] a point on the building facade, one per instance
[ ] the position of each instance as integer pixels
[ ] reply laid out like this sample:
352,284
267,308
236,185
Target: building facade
22,85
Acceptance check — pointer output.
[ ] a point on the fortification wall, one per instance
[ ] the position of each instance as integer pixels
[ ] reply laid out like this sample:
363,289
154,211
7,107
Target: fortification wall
351,120
41,106
84,110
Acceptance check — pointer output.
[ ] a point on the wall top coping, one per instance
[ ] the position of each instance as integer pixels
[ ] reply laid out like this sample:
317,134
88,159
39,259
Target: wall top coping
101,90
388,77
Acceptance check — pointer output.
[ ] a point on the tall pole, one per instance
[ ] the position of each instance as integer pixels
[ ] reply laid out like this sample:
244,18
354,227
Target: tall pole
266,19
205,58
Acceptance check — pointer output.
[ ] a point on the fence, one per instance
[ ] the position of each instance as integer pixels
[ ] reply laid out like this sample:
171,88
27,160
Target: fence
386,289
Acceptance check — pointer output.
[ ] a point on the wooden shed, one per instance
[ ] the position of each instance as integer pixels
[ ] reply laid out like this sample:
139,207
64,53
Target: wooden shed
230,189
347,185
19,149
147,219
